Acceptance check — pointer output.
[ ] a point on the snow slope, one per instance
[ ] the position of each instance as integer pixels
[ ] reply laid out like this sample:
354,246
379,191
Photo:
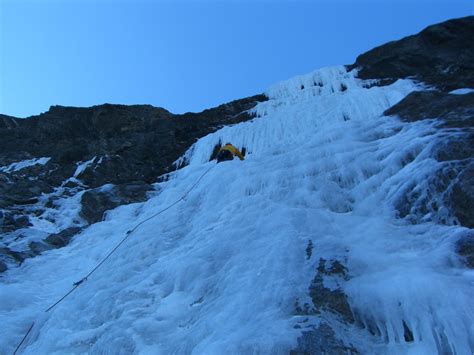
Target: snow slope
220,272
462,91
23,164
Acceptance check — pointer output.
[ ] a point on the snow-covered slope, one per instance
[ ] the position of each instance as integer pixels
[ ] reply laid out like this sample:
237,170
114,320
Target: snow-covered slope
221,271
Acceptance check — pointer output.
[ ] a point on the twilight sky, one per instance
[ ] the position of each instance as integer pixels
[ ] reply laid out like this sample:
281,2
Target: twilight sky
186,55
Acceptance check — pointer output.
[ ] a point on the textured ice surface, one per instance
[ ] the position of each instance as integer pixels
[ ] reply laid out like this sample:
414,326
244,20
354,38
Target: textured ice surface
220,272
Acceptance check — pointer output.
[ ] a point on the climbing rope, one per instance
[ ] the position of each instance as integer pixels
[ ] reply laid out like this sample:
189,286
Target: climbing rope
127,234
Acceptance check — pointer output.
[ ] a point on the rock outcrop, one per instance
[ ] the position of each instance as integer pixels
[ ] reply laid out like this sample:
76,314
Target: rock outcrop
440,56
126,147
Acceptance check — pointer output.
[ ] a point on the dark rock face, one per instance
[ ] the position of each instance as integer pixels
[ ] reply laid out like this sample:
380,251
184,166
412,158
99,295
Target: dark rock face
12,221
321,338
321,341
95,202
454,110
8,121
325,299
126,146
3,267
35,248
137,143
440,55
38,247
465,248
62,238
462,197
14,256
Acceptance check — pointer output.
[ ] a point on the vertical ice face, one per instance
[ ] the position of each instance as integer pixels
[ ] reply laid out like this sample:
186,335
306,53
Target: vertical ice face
222,270
305,109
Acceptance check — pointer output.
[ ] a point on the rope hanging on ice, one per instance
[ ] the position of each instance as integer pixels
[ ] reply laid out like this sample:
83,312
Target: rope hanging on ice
127,234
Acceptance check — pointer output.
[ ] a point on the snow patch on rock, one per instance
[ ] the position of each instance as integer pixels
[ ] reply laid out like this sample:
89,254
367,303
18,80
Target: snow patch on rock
23,164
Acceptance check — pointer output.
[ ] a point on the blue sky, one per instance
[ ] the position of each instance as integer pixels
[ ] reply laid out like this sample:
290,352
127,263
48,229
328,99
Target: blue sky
186,56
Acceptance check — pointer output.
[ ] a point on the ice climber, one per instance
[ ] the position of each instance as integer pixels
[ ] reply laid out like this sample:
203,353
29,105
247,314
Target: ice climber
228,152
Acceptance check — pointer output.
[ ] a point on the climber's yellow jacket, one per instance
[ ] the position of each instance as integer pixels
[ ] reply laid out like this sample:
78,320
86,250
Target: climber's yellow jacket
233,150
